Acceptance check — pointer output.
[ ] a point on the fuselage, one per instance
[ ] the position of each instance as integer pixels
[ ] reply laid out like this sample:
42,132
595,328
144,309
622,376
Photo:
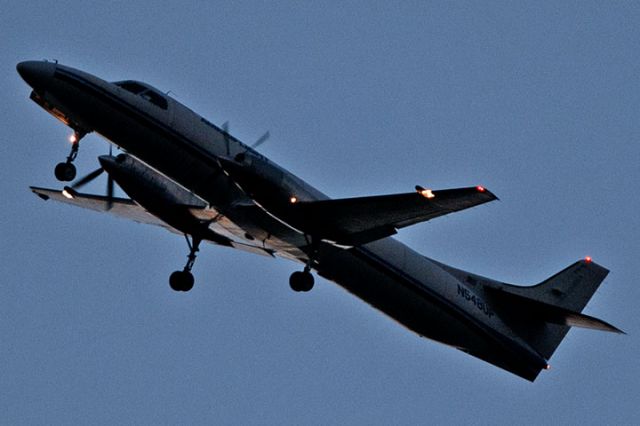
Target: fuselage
177,143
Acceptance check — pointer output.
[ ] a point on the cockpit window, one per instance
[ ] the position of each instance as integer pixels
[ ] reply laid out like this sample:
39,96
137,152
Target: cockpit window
144,92
131,86
155,98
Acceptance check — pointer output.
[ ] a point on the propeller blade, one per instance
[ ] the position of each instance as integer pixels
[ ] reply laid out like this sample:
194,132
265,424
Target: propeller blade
88,178
225,134
262,139
109,192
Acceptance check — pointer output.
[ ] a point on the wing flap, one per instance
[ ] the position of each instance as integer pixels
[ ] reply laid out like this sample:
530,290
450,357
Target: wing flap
355,221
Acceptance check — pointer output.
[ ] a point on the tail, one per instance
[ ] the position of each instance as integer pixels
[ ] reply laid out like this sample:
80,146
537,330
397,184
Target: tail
543,314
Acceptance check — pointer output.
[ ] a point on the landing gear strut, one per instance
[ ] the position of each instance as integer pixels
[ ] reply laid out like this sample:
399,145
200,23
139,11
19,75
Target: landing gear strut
66,172
183,280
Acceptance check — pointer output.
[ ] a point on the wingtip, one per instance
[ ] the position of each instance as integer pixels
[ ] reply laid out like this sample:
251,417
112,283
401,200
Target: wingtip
39,194
485,191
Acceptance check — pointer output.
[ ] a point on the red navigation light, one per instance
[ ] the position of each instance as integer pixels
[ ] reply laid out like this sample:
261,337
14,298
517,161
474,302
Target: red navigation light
480,188
588,259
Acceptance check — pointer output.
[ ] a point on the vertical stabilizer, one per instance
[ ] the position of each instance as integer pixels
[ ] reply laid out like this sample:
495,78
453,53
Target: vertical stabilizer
543,314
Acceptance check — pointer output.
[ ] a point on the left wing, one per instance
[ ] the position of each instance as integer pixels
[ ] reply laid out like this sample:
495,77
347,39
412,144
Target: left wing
121,207
128,209
355,221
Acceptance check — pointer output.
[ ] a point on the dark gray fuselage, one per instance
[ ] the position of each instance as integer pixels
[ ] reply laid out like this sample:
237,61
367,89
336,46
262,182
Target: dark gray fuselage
181,145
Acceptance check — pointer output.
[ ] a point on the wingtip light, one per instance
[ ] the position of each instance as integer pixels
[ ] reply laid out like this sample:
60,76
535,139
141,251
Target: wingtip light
588,259
481,188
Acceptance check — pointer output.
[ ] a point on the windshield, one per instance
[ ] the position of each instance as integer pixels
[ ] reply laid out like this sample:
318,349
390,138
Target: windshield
144,92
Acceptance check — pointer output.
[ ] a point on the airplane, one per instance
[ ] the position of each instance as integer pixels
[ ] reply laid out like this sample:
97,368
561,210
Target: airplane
194,178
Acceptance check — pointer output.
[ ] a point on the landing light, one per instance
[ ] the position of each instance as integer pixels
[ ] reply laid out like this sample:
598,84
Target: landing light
293,200
426,193
547,367
73,138
67,194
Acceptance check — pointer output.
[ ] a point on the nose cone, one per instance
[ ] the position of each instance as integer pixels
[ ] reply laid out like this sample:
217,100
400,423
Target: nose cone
37,74
115,164
108,162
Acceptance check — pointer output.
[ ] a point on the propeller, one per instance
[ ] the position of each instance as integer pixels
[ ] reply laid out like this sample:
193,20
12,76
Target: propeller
225,135
240,157
70,191
262,139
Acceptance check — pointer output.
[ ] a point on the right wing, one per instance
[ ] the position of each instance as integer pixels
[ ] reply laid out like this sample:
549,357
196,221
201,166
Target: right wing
355,221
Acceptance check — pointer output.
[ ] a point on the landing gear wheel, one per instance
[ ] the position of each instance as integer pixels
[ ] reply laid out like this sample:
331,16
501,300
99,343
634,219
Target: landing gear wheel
65,172
181,281
301,281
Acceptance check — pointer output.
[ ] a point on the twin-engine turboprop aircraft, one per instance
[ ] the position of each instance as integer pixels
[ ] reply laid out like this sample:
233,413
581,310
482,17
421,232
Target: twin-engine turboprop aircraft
192,177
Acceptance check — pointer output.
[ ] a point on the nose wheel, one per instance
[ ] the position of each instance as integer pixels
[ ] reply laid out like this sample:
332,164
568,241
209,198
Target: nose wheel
66,171
183,280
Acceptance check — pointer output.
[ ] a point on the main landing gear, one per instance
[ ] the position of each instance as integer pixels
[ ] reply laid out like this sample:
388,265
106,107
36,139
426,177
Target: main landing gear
302,281
183,280
66,172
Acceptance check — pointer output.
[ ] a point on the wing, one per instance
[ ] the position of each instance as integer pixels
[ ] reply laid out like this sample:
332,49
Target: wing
355,221
128,209
121,207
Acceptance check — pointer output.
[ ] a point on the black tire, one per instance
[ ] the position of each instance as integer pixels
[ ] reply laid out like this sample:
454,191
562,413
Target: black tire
307,281
188,281
181,281
301,281
65,172
295,281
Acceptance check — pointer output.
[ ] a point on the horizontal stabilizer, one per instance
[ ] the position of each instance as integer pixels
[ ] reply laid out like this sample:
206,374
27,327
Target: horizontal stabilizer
356,221
553,314
585,321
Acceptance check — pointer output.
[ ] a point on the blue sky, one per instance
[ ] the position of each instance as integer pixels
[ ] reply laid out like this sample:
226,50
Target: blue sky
538,101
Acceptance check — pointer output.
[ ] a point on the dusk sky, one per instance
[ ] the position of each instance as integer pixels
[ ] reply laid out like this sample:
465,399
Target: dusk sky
537,101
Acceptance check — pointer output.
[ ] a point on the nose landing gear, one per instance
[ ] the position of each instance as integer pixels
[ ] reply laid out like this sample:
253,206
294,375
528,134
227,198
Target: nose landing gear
183,280
66,172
